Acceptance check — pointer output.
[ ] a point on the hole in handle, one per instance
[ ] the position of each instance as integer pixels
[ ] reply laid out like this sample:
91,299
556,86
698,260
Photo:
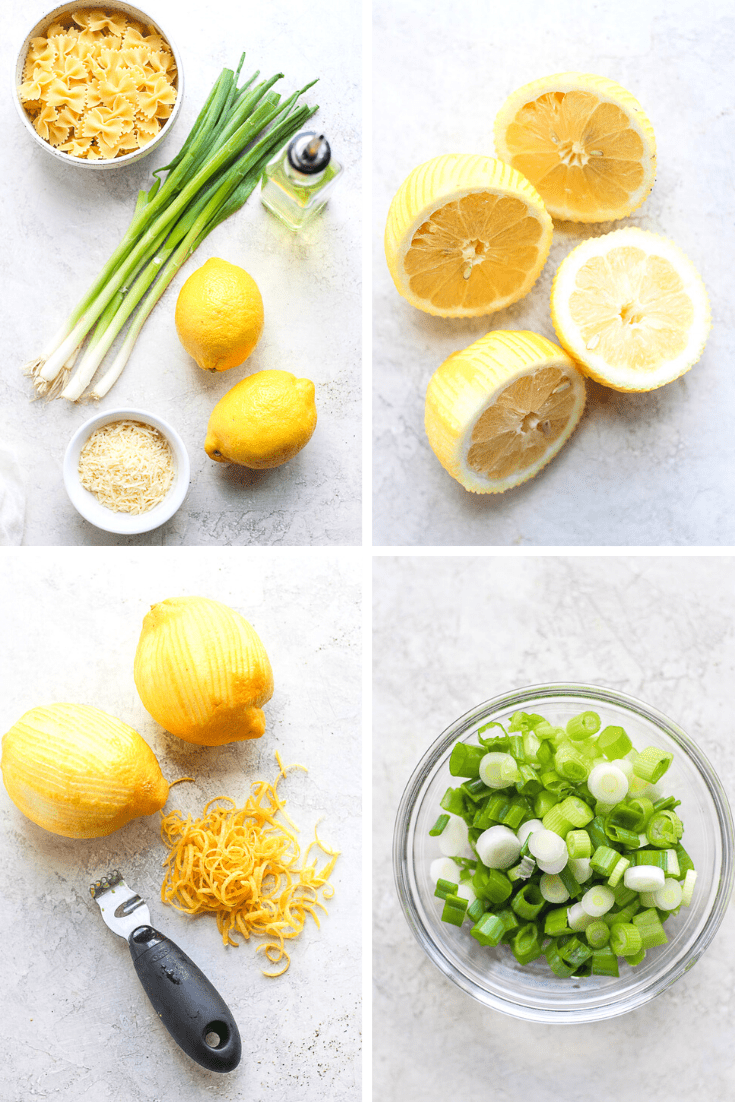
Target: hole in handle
216,1034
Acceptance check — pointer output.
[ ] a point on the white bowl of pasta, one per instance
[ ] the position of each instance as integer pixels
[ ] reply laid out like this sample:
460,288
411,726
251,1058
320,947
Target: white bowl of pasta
98,84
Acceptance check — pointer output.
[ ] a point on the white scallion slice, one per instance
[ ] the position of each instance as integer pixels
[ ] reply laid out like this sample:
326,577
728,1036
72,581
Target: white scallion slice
528,828
580,868
672,863
498,770
688,887
644,878
547,846
443,868
670,896
608,783
598,900
498,847
454,841
552,888
577,918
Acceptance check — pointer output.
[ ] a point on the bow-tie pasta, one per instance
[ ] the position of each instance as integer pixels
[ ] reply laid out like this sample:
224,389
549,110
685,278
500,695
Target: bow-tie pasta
98,85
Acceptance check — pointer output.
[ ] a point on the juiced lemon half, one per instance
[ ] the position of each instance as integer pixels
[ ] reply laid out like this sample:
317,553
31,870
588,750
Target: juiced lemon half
631,308
583,141
466,235
498,411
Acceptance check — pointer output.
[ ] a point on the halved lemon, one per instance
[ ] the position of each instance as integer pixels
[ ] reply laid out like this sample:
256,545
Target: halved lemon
466,235
583,141
631,308
498,411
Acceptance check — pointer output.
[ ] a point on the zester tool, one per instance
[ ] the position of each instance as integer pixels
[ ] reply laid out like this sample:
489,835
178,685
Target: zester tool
193,1011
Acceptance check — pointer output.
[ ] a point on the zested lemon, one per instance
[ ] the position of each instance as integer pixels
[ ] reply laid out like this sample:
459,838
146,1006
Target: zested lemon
498,411
631,308
583,141
465,236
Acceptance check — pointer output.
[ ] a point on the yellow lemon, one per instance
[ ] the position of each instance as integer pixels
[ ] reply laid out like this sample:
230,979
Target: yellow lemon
499,410
219,315
583,141
631,309
263,421
466,235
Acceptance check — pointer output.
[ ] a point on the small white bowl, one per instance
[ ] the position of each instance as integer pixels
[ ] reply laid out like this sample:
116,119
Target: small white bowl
126,524
133,13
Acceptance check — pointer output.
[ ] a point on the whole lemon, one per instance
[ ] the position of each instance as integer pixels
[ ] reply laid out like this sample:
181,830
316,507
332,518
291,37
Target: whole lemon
263,421
219,315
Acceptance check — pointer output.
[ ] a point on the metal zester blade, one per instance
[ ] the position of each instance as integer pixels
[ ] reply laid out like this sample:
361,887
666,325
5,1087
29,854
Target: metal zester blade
122,909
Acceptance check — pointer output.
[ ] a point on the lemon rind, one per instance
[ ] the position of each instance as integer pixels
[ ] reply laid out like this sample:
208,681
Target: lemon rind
608,91
455,462
594,366
399,230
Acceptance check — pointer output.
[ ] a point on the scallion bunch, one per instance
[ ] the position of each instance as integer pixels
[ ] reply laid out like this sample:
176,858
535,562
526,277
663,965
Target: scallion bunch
238,130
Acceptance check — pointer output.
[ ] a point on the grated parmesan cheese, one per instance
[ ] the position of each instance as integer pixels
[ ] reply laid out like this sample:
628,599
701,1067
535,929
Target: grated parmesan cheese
128,466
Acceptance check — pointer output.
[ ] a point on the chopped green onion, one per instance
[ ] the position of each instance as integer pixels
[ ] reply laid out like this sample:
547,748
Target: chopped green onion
644,878
574,951
580,868
498,769
454,910
650,928
526,943
557,965
604,860
597,934
528,902
608,783
618,872
570,763
555,922
664,829
576,811
596,831
439,825
476,910
604,962
498,847
454,802
552,888
489,930
464,761
491,884
543,803
625,939
555,820
651,764
688,887
670,896
577,917
445,888
579,844
583,725
569,880
523,870
636,958
598,900
656,857
614,743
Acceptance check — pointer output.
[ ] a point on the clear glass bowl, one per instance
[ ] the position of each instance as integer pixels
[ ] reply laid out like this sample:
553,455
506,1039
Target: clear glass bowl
532,991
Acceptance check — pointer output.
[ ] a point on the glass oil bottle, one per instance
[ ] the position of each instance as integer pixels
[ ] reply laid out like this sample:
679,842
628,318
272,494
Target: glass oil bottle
298,181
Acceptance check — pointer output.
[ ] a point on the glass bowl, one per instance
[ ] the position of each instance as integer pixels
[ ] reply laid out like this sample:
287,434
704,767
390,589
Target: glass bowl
532,992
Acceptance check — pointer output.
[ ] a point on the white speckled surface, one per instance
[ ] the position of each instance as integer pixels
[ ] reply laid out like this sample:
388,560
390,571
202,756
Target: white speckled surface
61,223
640,470
81,1026
452,632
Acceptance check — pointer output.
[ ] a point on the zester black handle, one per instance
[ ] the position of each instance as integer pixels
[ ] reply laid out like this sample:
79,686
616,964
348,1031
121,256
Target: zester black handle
193,1011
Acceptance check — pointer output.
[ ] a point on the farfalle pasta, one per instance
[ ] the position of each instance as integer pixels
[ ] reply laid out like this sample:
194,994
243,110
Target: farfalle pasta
98,86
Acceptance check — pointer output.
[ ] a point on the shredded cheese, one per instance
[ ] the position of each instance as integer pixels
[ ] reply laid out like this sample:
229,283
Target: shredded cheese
128,466
242,865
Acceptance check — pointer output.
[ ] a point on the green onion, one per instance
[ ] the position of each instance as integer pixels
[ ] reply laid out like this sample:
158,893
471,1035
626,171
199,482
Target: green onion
214,173
625,939
464,760
651,764
576,811
583,725
555,922
491,884
614,743
476,910
556,963
554,820
650,928
445,888
528,902
597,934
688,887
454,910
578,843
574,951
570,763
604,962
604,860
526,943
618,872
489,930
664,829
454,802
543,802
439,825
